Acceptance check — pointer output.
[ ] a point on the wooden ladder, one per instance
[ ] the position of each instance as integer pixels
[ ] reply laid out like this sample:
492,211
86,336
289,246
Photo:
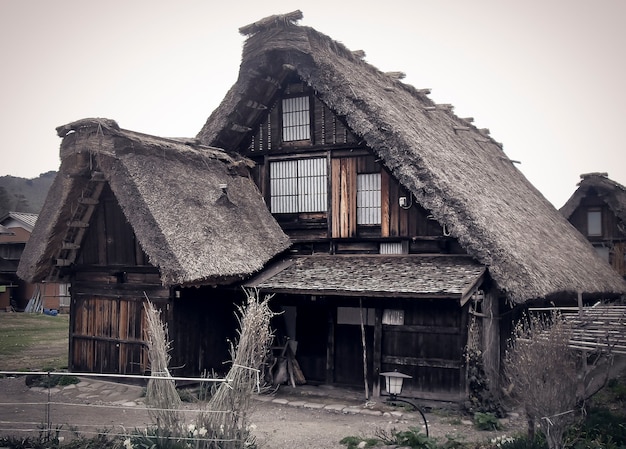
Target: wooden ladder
79,223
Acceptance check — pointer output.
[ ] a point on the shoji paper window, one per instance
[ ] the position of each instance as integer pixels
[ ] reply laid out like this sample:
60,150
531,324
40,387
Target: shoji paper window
296,119
298,186
368,199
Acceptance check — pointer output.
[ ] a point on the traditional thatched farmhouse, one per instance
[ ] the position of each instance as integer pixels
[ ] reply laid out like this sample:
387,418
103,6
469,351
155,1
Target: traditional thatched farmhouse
598,210
393,234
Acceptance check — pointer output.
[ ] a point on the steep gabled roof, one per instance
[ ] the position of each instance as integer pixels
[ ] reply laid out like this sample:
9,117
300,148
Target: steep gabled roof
452,168
194,210
613,194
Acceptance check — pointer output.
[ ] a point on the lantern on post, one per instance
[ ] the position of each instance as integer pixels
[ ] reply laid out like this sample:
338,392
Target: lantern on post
393,382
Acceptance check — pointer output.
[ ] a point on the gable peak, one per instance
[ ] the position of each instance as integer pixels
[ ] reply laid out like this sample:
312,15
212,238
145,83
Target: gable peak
287,19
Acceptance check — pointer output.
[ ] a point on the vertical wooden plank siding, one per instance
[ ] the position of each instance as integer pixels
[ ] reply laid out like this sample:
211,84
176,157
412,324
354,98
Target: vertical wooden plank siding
384,204
344,197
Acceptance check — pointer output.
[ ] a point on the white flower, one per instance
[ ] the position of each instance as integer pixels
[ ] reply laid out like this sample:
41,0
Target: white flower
202,431
195,433
128,444
191,427
221,428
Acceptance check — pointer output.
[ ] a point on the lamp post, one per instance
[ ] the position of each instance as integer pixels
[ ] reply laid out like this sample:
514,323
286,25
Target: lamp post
393,384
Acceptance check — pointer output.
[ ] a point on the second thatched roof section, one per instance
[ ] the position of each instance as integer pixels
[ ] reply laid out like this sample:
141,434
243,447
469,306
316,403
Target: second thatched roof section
194,210
452,168
613,194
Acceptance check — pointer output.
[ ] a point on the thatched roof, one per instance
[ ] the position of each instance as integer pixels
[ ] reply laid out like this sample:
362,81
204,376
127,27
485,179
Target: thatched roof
452,168
194,210
611,192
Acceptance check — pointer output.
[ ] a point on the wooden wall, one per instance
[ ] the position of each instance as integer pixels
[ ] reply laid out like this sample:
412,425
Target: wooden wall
428,346
202,324
110,282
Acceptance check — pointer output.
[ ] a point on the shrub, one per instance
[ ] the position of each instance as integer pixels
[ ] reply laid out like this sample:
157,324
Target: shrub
354,442
486,421
601,428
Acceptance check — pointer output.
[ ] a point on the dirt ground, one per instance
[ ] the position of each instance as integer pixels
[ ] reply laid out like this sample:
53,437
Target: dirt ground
276,426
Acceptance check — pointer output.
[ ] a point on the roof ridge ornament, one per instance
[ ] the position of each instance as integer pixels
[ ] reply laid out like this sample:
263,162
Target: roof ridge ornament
283,20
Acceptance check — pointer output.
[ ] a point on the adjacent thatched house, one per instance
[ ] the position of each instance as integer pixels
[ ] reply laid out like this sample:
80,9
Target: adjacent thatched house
411,234
131,216
598,210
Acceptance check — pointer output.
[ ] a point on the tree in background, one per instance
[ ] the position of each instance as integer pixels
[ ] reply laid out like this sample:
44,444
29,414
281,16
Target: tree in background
21,203
5,201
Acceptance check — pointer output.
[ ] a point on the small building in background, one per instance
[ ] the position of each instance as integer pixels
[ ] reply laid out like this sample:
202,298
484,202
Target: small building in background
598,210
15,294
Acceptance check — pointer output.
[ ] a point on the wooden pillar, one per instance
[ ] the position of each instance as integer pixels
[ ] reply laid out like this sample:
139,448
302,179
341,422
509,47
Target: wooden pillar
491,338
330,348
377,356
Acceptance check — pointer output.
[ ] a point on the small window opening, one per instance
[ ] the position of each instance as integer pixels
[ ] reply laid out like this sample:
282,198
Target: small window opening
296,119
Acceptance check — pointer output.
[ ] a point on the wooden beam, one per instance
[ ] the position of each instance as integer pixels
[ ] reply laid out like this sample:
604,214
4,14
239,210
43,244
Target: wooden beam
88,201
78,224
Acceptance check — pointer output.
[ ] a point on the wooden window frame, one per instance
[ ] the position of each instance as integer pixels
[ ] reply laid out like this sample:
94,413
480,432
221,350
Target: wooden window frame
296,123
302,186
368,207
597,227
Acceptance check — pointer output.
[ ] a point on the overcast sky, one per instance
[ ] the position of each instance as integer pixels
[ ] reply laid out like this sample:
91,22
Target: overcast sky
545,76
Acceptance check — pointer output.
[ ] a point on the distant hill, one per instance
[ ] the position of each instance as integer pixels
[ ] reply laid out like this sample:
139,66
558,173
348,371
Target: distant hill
24,195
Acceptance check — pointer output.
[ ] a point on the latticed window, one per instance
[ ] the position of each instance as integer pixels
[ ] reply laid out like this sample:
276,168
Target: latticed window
296,119
368,209
298,186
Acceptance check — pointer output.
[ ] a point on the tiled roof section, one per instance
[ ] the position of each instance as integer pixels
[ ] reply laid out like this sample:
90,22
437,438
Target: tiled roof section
374,275
26,218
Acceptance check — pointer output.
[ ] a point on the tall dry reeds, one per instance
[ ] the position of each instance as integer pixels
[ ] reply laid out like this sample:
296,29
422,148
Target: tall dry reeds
233,398
162,398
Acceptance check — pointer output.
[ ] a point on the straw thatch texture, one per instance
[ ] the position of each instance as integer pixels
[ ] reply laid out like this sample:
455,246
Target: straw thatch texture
453,169
613,193
195,230
161,396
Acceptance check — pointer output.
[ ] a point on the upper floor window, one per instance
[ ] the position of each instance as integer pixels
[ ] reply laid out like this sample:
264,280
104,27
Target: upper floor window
368,204
298,186
296,119
594,222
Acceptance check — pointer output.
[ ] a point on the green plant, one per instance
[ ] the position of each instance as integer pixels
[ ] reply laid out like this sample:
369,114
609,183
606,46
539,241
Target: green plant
601,428
354,442
50,380
486,421
413,437
481,398
155,438
617,388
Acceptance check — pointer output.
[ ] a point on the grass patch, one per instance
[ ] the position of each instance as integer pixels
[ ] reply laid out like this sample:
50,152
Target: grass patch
30,341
